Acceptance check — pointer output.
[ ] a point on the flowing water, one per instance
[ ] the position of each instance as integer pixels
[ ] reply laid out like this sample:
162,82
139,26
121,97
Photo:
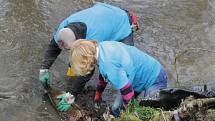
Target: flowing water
180,33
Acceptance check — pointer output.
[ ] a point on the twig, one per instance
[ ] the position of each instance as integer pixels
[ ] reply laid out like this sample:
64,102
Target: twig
162,114
79,108
193,105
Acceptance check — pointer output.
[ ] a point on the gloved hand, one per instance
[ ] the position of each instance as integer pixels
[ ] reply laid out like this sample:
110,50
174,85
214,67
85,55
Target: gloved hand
97,100
44,77
115,112
97,105
66,100
98,96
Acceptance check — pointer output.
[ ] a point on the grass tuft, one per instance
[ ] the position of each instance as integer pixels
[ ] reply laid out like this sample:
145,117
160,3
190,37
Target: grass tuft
135,112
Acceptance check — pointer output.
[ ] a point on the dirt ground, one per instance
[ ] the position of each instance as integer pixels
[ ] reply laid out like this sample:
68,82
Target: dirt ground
83,108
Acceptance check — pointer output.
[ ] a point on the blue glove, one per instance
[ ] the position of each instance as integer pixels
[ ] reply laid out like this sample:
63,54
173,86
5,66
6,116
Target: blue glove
66,100
44,77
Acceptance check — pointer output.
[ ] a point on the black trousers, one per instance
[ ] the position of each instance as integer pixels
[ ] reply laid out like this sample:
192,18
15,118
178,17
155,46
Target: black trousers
76,84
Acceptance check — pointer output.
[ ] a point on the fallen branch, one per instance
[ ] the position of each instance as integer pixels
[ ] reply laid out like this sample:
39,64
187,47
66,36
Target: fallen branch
188,109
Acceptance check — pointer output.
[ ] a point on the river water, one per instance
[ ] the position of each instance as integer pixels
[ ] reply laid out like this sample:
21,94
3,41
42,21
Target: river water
180,33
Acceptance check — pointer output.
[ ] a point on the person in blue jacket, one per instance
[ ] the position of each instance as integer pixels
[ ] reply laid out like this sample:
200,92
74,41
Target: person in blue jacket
101,22
128,70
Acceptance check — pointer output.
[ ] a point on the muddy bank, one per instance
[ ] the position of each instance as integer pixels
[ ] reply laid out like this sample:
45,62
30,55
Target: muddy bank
81,110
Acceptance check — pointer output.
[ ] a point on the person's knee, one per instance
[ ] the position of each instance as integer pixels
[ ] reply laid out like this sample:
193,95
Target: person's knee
151,93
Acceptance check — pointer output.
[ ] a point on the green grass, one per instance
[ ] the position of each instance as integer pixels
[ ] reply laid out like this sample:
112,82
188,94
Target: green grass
213,114
135,112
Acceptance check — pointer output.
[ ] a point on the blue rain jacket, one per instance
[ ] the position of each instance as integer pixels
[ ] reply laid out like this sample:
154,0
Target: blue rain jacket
119,64
104,22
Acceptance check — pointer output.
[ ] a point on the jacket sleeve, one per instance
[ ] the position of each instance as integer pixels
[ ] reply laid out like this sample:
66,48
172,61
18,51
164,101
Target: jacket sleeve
50,55
127,94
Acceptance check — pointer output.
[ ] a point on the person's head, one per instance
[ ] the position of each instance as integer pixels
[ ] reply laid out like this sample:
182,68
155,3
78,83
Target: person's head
82,56
66,38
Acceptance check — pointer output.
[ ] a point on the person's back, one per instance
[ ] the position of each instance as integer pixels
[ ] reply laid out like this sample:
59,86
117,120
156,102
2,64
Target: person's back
130,71
140,68
104,22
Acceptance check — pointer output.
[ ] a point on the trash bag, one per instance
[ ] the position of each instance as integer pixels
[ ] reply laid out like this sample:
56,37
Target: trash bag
207,90
171,98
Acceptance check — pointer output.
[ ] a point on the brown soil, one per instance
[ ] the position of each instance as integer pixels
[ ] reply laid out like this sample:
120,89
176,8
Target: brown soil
82,110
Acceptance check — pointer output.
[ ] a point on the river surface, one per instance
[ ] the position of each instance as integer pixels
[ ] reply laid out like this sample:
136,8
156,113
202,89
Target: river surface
180,33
